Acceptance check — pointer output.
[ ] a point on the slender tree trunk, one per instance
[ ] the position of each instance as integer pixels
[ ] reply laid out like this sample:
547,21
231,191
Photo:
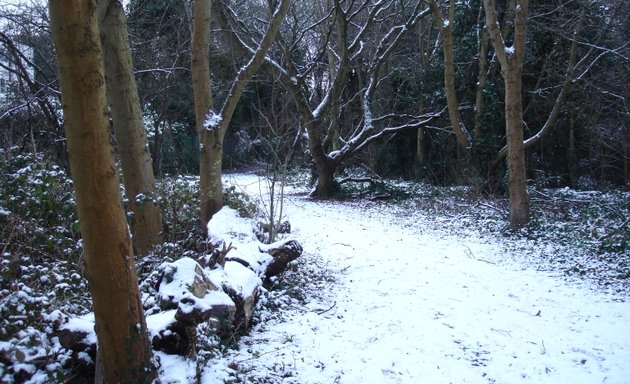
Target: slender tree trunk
626,156
445,25
511,61
519,198
158,138
421,142
210,193
133,146
483,76
571,158
211,190
107,250
212,126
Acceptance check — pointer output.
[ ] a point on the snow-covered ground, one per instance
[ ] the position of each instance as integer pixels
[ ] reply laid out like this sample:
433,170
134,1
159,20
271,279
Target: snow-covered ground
408,302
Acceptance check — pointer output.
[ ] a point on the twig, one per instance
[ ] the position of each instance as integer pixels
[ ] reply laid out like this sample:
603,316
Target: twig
262,354
604,237
357,180
501,211
326,310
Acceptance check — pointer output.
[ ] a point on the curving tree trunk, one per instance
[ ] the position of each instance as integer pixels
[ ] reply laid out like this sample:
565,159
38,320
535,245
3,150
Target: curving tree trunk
511,60
445,26
133,146
124,348
211,125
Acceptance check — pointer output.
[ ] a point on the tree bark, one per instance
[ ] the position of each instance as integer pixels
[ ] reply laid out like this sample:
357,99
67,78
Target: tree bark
107,250
483,76
133,146
210,193
511,62
446,27
212,126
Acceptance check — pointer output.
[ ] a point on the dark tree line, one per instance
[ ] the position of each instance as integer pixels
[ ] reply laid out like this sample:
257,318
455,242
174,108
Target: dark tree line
410,89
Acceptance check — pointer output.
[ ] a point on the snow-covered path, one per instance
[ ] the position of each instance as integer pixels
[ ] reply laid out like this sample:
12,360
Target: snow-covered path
412,305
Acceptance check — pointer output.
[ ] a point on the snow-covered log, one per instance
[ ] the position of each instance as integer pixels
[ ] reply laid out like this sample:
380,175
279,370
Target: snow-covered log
283,253
266,260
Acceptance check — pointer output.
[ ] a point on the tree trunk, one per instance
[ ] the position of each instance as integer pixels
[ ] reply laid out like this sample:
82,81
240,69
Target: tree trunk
483,76
107,250
511,61
210,164
326,185
210,193
133,146
212,126
519,199
446,27
421,142
571,158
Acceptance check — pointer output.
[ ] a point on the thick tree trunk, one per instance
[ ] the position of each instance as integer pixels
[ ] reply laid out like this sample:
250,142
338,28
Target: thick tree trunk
133,146
326,185
107,250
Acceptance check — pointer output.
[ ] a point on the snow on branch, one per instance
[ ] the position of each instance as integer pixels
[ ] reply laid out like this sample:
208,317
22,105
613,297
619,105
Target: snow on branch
367,134
212,121
423,120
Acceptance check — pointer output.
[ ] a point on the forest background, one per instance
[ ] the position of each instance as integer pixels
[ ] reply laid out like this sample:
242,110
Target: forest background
586,145
496,96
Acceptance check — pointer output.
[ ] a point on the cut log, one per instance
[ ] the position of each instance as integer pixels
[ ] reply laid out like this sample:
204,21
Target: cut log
283,254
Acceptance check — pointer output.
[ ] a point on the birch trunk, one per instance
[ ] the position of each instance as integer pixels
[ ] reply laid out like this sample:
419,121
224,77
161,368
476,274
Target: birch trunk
124,347
133,146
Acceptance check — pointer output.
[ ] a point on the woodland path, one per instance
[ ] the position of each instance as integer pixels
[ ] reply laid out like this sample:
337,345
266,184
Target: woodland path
412,305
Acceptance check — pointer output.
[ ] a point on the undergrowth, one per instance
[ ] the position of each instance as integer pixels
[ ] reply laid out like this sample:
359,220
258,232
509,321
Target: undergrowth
583,234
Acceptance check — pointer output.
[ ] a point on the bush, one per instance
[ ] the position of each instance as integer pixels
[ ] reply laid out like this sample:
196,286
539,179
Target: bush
37,208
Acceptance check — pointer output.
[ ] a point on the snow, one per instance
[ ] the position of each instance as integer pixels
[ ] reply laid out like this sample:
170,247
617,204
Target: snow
227,223
182,273
412,302
228,227
242,278
212,120
84,324
160,321
236,276
176,369
509,50
177,287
